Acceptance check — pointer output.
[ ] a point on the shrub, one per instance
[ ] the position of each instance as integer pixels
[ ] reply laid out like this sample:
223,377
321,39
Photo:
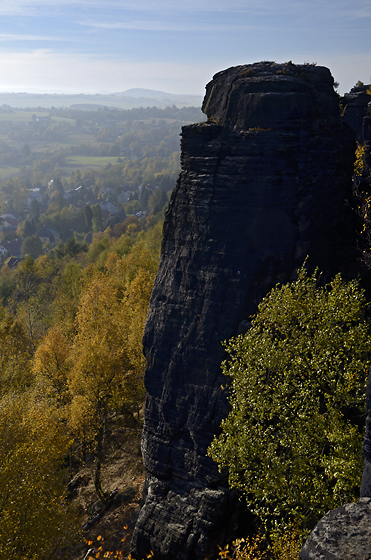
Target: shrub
292,441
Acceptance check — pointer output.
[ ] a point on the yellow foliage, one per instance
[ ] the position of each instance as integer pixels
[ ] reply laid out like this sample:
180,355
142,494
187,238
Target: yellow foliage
75,347
105,350
285,546
112,260
15,356
107,362
67,298
34,516
50,366
98,352
358,164
250,548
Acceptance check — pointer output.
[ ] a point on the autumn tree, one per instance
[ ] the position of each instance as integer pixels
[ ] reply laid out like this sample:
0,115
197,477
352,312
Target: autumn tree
33,296
50,367
24,300
35,518
68,291
15,356
32,246
107,363
101,368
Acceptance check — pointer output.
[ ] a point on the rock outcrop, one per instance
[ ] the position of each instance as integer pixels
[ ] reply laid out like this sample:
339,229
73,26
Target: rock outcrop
355,109
264,183
342,534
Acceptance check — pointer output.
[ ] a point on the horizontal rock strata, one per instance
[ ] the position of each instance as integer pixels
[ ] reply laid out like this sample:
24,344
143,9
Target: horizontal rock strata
264,183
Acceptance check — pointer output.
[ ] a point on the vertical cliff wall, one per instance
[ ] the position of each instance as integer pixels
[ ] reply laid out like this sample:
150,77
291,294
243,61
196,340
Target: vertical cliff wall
355,109
345,532
264,183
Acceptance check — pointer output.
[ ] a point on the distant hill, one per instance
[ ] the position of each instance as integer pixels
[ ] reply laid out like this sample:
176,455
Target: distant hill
136,97
141,92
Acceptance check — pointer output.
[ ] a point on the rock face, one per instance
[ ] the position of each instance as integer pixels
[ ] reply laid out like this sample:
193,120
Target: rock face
346,531
365,490
263,184
366,133
355,109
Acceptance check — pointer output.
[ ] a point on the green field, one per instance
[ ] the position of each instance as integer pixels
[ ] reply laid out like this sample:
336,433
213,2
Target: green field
91,160
26,116
6,172
73,162
20,116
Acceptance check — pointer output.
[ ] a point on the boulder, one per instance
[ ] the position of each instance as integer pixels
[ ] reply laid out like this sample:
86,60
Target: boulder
342,534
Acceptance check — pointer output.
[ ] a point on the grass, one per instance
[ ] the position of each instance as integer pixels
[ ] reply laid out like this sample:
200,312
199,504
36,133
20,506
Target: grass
91,160
6,172
20,116
73,162
26,116
63,120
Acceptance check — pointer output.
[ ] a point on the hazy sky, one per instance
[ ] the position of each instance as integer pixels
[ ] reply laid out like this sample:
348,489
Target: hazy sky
114,45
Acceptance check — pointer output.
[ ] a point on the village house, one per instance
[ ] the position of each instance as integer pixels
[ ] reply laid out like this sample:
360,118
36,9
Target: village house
8,222
49,236
13,248
13,262
34,194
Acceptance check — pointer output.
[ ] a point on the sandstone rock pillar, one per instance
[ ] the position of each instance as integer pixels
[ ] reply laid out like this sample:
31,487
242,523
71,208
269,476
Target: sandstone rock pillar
264,184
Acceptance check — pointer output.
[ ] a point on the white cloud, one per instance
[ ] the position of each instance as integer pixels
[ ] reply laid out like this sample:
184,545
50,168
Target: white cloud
192,6
25,37
47,70
178,25
167,14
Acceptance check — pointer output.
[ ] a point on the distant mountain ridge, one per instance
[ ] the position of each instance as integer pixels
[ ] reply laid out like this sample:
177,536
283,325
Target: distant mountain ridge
135,97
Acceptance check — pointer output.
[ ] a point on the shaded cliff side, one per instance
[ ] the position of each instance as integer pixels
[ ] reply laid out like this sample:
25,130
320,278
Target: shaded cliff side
345,532
264,183
355,109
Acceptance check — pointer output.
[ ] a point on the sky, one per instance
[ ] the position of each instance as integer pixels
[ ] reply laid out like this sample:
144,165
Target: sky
95,46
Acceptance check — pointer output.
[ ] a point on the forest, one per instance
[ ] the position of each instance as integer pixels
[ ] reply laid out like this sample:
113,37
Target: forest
72,313
71,380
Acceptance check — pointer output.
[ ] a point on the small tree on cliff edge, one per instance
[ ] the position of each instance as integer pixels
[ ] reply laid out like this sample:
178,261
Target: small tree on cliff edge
293,439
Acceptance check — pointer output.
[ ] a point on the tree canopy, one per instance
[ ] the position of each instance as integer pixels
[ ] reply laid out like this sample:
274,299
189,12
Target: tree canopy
35,518
71,373
293,438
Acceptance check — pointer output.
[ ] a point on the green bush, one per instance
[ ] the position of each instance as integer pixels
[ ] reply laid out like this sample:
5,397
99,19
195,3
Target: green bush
292,442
